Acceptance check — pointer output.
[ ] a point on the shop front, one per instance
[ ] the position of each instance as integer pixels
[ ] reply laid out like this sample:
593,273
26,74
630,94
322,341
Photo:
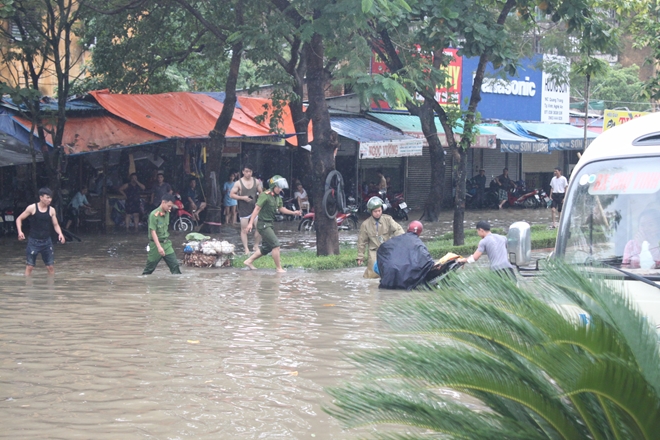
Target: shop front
368,147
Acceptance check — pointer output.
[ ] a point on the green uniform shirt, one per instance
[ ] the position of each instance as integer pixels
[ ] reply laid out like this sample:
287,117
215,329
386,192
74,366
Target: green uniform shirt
159,221
269,204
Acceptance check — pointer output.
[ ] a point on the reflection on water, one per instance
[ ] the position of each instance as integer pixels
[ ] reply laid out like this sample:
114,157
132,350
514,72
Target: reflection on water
100,351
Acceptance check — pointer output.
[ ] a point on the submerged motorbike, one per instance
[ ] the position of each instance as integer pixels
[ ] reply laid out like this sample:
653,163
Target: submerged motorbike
521,197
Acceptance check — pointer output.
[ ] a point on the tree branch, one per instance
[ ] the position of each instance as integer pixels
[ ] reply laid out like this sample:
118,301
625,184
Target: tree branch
214,29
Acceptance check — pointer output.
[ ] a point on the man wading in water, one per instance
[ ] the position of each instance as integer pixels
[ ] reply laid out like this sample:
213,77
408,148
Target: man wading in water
246,190
39,241
160,246
268,204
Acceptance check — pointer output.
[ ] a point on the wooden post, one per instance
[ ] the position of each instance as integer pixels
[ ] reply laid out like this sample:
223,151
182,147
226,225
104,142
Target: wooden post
105,191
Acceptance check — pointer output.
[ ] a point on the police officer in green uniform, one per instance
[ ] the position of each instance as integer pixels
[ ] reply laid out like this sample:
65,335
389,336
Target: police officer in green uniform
374,231
268,204
160,245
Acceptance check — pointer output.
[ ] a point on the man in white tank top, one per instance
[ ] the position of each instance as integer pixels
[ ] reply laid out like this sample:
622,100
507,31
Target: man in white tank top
246,190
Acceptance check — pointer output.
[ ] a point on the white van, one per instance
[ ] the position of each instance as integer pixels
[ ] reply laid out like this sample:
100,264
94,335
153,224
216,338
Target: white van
611,212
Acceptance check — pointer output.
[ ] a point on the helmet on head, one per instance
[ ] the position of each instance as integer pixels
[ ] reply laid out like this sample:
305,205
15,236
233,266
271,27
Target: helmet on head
374,203
416,227
278,181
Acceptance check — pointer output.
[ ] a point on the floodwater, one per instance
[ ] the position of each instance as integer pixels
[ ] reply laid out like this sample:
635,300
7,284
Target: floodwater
99,351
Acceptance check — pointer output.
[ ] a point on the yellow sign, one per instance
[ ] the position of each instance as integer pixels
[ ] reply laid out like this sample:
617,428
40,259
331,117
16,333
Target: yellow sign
612,118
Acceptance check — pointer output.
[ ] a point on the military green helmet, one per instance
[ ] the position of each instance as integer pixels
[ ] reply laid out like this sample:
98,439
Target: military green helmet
374,203
278,181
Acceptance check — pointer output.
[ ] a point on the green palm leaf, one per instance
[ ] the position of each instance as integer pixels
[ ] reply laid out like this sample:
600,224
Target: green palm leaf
531,362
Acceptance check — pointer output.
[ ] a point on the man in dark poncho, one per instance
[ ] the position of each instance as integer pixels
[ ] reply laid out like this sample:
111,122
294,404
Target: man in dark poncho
404,261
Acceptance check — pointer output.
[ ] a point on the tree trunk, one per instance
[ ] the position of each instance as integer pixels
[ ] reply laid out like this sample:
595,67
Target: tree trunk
217,135
586,113
323,146
459,201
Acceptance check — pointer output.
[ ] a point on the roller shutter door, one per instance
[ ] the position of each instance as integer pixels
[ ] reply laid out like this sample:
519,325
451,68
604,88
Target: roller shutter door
418,179
494,163
541,163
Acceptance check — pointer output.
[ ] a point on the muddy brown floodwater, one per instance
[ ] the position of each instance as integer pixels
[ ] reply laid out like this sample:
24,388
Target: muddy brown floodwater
99,351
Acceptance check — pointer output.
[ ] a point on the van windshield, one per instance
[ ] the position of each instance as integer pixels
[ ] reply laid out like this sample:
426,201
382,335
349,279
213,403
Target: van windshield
612,215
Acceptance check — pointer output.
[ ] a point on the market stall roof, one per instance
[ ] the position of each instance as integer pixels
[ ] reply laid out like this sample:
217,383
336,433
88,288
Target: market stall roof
410,125
94,133
514,143
13,152
257,107
15,142
560,136
73,106
376,140
179,114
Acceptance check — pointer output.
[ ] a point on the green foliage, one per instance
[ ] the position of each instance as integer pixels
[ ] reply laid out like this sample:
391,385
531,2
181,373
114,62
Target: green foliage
535,370
162,48
645,26
617,86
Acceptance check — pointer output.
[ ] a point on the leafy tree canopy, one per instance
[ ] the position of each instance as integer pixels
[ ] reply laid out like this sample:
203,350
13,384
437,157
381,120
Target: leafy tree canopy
618,87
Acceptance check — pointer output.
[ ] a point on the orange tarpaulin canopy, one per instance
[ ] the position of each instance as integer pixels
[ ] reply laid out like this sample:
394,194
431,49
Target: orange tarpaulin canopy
92,133
178,115
254,107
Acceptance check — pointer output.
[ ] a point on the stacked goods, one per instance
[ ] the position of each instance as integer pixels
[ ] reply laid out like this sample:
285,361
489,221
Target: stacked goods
208,253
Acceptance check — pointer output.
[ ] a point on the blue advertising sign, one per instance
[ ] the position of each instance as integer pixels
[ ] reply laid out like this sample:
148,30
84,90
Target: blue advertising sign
515,98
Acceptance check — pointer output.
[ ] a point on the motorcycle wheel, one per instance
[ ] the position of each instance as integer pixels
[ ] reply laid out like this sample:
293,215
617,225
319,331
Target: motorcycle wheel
306,225
529,203
183,224
349,224
330,204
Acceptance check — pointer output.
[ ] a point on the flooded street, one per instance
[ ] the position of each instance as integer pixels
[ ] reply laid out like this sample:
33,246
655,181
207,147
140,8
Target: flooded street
100,351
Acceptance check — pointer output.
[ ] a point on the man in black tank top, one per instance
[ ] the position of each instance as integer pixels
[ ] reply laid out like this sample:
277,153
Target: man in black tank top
42,218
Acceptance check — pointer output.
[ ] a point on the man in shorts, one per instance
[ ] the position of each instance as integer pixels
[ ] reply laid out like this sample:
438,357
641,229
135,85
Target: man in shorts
493,245
558,186
246,190
42,218
160,246
269,204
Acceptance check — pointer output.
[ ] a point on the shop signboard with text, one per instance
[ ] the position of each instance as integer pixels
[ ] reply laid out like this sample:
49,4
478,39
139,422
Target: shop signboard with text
399,148
449,93
530,95
612,118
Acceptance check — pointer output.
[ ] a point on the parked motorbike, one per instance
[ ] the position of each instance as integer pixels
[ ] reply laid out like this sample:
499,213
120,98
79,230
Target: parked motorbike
521,197
289,204
544,199
346,221
181,219
7,218
396,206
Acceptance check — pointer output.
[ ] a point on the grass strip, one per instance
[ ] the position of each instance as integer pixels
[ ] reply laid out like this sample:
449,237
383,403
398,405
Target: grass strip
542,238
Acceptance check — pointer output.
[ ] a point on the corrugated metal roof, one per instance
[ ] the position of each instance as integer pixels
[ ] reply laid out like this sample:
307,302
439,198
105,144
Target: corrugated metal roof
410,123
364,130
50,105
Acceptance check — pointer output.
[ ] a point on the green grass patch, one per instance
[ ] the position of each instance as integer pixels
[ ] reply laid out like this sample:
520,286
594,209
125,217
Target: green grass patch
542,238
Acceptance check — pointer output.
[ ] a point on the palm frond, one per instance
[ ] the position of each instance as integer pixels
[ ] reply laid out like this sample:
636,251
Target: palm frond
538,370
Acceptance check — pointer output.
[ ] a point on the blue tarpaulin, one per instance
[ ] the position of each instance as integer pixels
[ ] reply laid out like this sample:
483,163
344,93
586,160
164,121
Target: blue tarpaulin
510,142
14,142
561,137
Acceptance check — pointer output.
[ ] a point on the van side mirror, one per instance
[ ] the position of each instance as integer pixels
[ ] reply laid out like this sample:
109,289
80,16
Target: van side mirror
519,244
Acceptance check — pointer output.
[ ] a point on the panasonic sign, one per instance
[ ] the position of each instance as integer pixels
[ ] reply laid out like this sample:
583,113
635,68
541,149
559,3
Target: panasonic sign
503,87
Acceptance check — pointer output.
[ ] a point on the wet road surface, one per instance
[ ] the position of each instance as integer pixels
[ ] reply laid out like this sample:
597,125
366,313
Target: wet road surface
100,351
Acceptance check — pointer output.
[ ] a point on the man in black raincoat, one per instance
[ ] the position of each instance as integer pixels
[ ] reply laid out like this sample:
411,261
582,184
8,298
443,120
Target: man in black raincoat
404,261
